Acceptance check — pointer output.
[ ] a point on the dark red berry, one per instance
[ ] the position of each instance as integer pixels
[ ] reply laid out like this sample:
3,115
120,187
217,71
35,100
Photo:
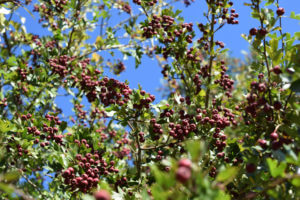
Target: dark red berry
250,167
277,105
253,31
280,11
277,70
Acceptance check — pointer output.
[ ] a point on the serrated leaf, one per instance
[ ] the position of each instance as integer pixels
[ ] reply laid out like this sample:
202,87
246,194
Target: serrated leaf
275,169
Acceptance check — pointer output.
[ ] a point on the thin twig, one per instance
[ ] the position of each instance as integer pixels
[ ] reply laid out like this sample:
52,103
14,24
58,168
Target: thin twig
211,58
139,153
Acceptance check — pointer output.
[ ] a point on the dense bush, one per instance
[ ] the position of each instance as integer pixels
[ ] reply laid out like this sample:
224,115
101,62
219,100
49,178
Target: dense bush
225,128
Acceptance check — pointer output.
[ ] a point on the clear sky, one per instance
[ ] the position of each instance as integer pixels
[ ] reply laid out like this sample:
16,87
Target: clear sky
148,74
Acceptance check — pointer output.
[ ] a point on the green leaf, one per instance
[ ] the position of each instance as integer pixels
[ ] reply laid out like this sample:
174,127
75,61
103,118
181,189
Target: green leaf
5,126
255,15
222,196
296,86
195,148
269,2
87,197
276,170
161,178
63,126
294,16
297,35
228,174
6,188
12,61
11,176
296,182
63,160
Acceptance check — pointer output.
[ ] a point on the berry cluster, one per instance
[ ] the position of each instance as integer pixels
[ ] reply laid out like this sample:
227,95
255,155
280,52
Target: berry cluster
225,81
49,11
83,142
88,83
198,83
92,167
80,113
144,102
216,118
121,182
276,141
21,150
23,73
51,131
147,3
3,102
260,32
155,129
232,18
126,8
122,153
181,130
51,44
256,102
61,65
213,171
119,68
114,92
166,113
156,24
220,142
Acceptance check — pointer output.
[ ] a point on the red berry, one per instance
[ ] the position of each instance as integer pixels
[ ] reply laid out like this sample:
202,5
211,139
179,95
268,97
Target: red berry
280,11
274,136
277,70
277,105
250,167
262,143
263,32
185,163
183,174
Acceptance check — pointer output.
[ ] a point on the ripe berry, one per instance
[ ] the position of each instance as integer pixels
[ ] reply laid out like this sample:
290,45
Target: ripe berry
277,105
263,32
277,70
262,143
183,174
280,11
250,167
274,136
185,163
253,31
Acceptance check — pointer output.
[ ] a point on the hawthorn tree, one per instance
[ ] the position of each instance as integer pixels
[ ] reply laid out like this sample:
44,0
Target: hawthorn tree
225,128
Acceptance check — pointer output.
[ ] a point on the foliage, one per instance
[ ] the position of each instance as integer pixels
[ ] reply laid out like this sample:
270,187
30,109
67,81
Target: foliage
225,129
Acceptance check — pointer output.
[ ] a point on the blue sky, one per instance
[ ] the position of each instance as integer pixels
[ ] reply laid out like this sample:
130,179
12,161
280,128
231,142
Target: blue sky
148,74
